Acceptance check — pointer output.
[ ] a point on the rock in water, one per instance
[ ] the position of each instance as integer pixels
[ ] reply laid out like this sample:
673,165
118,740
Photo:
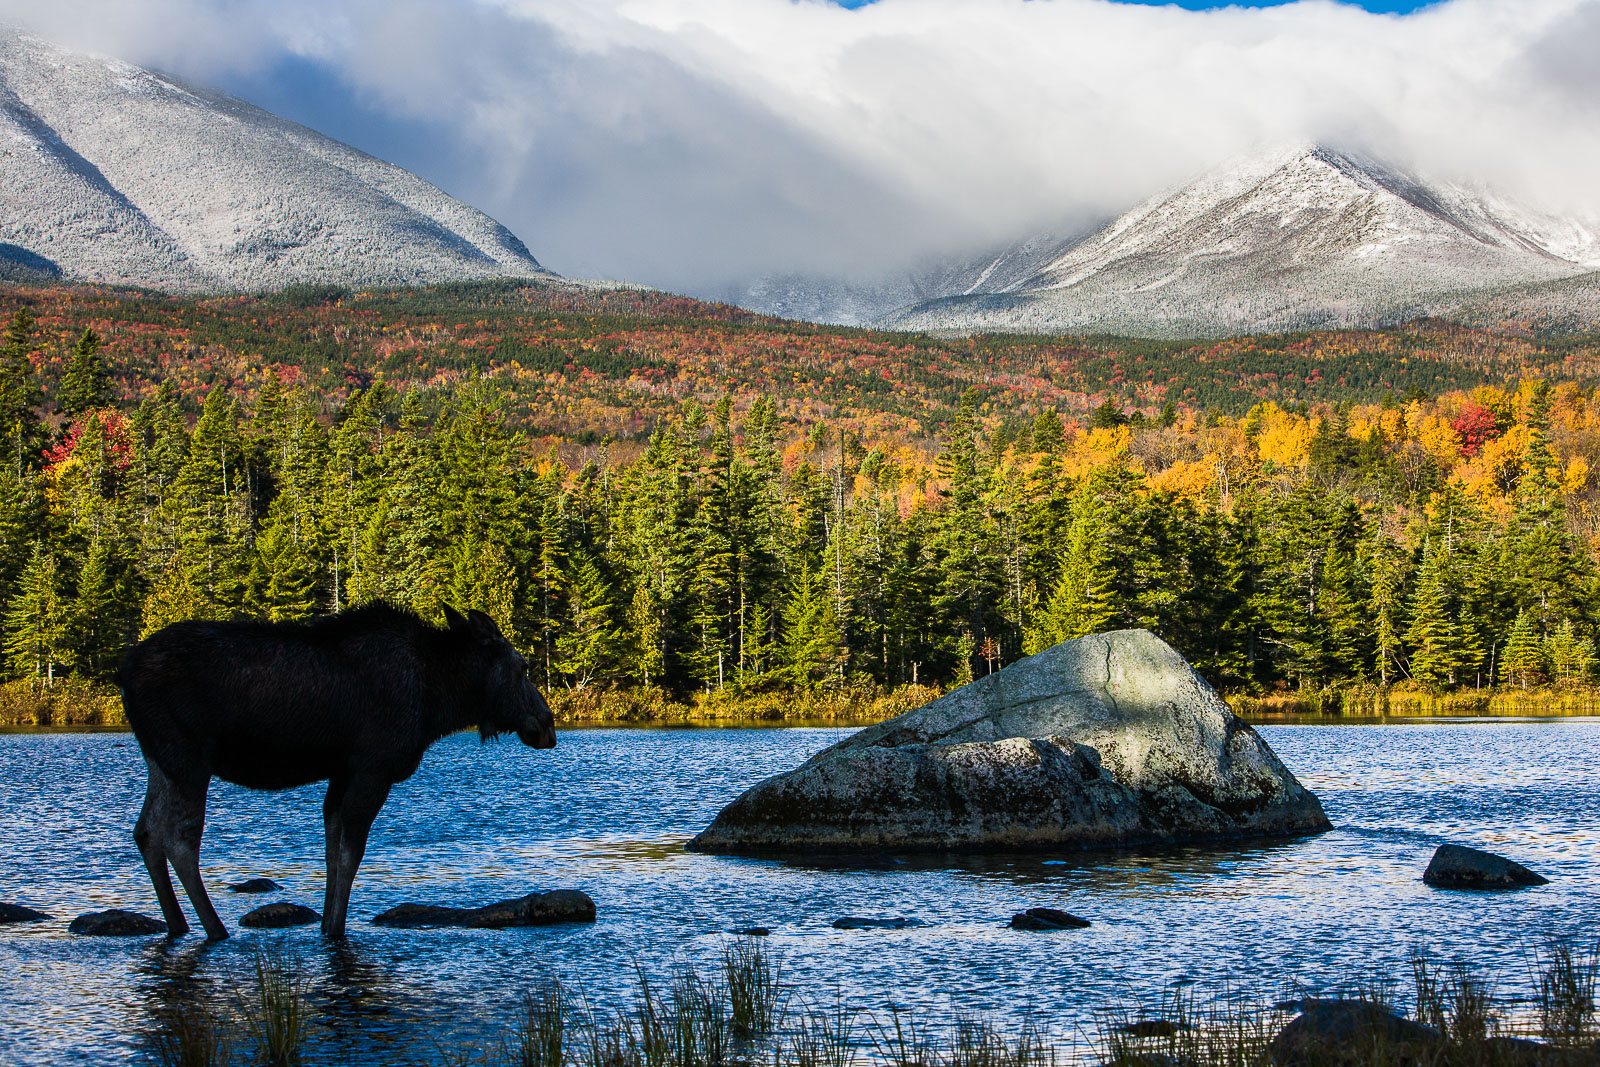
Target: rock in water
255,885
116,923
1047,920
1459,867
1105,741
16,913
856,922
535,909
1351,1032
279,916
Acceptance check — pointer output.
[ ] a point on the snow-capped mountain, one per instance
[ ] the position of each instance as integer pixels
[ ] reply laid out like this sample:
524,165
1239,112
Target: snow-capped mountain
1302,236
819,298
112,173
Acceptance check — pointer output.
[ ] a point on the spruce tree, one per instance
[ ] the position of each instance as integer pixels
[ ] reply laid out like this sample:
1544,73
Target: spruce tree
36,620
813,646
589,646
1523,662
87,382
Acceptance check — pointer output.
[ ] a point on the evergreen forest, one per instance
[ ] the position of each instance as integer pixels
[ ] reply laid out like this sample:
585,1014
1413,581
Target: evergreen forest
745,545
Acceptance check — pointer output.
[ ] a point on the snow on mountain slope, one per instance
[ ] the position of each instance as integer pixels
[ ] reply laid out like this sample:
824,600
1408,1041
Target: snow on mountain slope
1296,238
113,173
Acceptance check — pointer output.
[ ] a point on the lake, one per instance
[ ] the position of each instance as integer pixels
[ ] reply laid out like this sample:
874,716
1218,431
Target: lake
609,810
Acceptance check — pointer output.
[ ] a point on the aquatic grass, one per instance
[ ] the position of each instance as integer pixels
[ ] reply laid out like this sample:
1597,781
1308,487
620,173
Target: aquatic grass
1231,1031
901,1042
1566,997
820,1038
192,1034
699,1024
754,988
539,1037
975,1042
1470,1019
274,1007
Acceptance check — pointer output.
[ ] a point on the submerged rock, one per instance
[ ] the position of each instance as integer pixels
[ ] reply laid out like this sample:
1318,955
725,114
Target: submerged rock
279,915
1351,1031
1459,867
255,885
116,923
856,922
752,931
1044,920
535,909
16,913
1109,740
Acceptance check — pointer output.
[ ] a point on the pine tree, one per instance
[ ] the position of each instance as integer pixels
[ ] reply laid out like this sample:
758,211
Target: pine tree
97,615
36,620
283,577
1571,658
589,647
1383,605
1080,603
1523,662
20,435
813,646
87,382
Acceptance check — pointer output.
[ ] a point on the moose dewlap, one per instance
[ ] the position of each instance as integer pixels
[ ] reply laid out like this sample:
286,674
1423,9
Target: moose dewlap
1105,741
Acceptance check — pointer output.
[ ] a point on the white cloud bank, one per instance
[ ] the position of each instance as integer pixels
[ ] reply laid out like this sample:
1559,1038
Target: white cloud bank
695,143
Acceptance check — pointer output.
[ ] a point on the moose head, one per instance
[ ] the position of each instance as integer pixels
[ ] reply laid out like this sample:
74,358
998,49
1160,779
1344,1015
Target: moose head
509,701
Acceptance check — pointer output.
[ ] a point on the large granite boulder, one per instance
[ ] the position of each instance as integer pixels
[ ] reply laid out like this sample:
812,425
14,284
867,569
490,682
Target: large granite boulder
1105,741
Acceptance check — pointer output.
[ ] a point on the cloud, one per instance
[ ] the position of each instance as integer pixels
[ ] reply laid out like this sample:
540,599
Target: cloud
694,144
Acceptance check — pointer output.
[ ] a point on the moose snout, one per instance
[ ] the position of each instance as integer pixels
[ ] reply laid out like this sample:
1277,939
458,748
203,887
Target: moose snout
540,736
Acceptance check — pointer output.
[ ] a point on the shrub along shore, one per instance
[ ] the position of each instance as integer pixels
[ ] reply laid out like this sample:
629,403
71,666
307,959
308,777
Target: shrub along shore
74,704
745,1013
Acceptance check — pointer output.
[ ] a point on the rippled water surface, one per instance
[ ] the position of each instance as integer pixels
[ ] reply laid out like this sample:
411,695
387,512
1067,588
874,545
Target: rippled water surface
609,810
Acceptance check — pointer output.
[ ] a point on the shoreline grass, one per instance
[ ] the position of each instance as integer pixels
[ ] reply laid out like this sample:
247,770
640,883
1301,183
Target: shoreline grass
73,705
741,1014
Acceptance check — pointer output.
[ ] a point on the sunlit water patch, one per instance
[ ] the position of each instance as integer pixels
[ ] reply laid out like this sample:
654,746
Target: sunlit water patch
609,810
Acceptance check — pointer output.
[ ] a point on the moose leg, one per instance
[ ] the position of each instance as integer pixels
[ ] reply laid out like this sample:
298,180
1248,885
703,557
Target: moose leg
332,825
362,802
183,849
150,834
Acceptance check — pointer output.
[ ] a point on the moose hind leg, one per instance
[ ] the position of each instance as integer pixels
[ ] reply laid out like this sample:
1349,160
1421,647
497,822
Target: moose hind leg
150,834
183,850
362,802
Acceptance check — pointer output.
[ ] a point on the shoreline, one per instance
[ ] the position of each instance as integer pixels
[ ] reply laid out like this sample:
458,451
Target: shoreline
73,706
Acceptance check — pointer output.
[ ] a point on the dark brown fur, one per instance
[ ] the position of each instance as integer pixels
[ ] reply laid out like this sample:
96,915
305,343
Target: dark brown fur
354,699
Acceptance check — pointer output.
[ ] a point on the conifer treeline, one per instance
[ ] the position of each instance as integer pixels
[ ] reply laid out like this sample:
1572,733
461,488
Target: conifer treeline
1428,541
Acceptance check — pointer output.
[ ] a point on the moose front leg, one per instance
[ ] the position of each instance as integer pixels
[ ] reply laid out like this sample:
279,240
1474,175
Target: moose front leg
360,806
332,824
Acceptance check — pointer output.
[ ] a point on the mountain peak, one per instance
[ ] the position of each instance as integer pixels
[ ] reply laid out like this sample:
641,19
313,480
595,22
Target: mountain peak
114,173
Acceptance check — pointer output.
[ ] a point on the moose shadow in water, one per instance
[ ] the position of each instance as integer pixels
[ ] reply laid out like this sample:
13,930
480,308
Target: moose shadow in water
354,699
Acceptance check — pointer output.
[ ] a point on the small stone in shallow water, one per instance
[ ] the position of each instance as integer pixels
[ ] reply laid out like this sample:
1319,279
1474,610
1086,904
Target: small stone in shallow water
1046,920
279,915
1152,1028
116,923
256,885
535,909
1459,867
856,922
1340,1031
16,913
753,931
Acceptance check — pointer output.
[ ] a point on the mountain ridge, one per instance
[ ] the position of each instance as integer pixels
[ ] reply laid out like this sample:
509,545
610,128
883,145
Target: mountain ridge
121,175
1301,236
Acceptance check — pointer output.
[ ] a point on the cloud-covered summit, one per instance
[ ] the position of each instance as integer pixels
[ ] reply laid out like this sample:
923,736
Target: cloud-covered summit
696,144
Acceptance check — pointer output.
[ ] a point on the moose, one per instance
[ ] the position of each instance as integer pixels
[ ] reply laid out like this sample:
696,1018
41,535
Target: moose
354,699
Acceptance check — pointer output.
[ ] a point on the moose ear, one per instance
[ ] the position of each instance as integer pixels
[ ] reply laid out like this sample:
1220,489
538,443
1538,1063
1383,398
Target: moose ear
454,619
484,624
